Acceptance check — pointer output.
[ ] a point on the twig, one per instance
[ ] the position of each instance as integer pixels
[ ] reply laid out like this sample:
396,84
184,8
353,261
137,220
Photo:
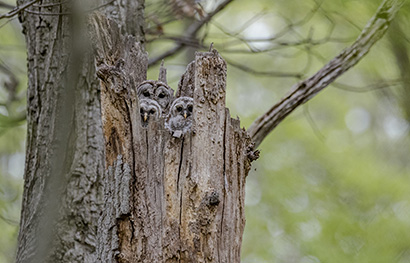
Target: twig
382,84
190,33
25,9
263,73
307,89
284,31
18,9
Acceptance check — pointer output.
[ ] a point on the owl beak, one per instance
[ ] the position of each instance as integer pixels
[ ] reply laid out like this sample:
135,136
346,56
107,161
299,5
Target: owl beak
145,116
185,115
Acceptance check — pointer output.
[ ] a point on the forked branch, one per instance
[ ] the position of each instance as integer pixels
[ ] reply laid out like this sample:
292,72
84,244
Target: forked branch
191,32
307,89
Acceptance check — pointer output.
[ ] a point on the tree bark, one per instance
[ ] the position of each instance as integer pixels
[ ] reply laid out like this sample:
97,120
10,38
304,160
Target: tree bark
168,199
63,193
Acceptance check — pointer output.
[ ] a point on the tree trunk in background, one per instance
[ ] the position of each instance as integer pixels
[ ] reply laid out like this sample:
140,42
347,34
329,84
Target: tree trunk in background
62,197
168,199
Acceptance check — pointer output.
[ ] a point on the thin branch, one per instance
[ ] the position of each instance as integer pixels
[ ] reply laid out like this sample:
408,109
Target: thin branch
382,84
190,33
7,22
53,4
313,124
263,73
307,89
25,9
284,31
18,9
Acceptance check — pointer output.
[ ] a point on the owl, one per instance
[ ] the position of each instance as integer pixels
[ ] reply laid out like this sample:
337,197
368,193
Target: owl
149,110
179,119
158,91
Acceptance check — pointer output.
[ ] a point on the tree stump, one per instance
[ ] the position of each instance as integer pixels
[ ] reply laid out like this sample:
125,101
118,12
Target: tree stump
168,199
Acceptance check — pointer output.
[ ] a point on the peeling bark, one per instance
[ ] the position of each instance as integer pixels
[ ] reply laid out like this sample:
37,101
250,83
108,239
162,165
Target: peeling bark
186,195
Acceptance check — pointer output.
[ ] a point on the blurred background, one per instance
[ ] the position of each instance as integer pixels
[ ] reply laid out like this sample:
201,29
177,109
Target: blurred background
333,180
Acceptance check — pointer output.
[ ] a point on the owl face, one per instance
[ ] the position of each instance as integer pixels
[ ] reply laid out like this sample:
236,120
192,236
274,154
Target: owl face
179,120
158,91
163,95
146,90
182,106
149,110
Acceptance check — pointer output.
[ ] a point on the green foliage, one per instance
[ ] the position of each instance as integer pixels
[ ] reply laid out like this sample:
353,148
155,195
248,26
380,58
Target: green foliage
10,201
315,200
333,180
13,79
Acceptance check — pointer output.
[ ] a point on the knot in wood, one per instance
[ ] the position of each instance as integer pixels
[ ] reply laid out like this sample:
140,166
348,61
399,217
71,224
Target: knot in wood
252,155
213,198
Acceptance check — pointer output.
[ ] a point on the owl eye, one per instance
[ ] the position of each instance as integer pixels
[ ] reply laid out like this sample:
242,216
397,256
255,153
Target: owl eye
179,108
152,111
161,95
141,111
190,108
146,93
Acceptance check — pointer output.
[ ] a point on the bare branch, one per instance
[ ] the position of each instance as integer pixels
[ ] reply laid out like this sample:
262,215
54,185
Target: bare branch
25,9
381,84
190,33
18,9
307,89
264,73
284,31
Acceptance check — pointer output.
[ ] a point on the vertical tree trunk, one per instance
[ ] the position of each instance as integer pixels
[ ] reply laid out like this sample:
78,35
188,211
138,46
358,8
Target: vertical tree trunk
168,199
64,153
65,147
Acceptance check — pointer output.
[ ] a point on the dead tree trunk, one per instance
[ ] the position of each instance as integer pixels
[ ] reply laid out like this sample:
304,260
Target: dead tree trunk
168,199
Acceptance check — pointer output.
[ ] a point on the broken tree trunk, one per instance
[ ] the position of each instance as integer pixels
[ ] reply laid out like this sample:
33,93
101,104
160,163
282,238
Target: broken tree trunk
168,199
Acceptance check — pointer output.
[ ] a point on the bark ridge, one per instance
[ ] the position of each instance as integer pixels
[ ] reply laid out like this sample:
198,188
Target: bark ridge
168,199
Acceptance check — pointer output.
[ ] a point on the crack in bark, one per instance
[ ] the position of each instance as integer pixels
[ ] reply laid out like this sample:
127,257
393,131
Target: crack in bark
225,184
180,162
181,194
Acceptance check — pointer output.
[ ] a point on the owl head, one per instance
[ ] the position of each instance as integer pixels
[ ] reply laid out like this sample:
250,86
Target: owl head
158,91
149,110
182,106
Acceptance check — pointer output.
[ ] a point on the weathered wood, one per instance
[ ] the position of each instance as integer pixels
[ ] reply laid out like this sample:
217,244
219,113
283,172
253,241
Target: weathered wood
187,82
162,73
168,199
64,171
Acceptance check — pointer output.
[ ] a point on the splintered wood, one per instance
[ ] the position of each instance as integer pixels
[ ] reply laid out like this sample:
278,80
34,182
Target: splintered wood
168,199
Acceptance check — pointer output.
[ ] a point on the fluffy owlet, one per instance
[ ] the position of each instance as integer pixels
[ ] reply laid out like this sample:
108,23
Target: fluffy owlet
179,120
149,110
158,91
